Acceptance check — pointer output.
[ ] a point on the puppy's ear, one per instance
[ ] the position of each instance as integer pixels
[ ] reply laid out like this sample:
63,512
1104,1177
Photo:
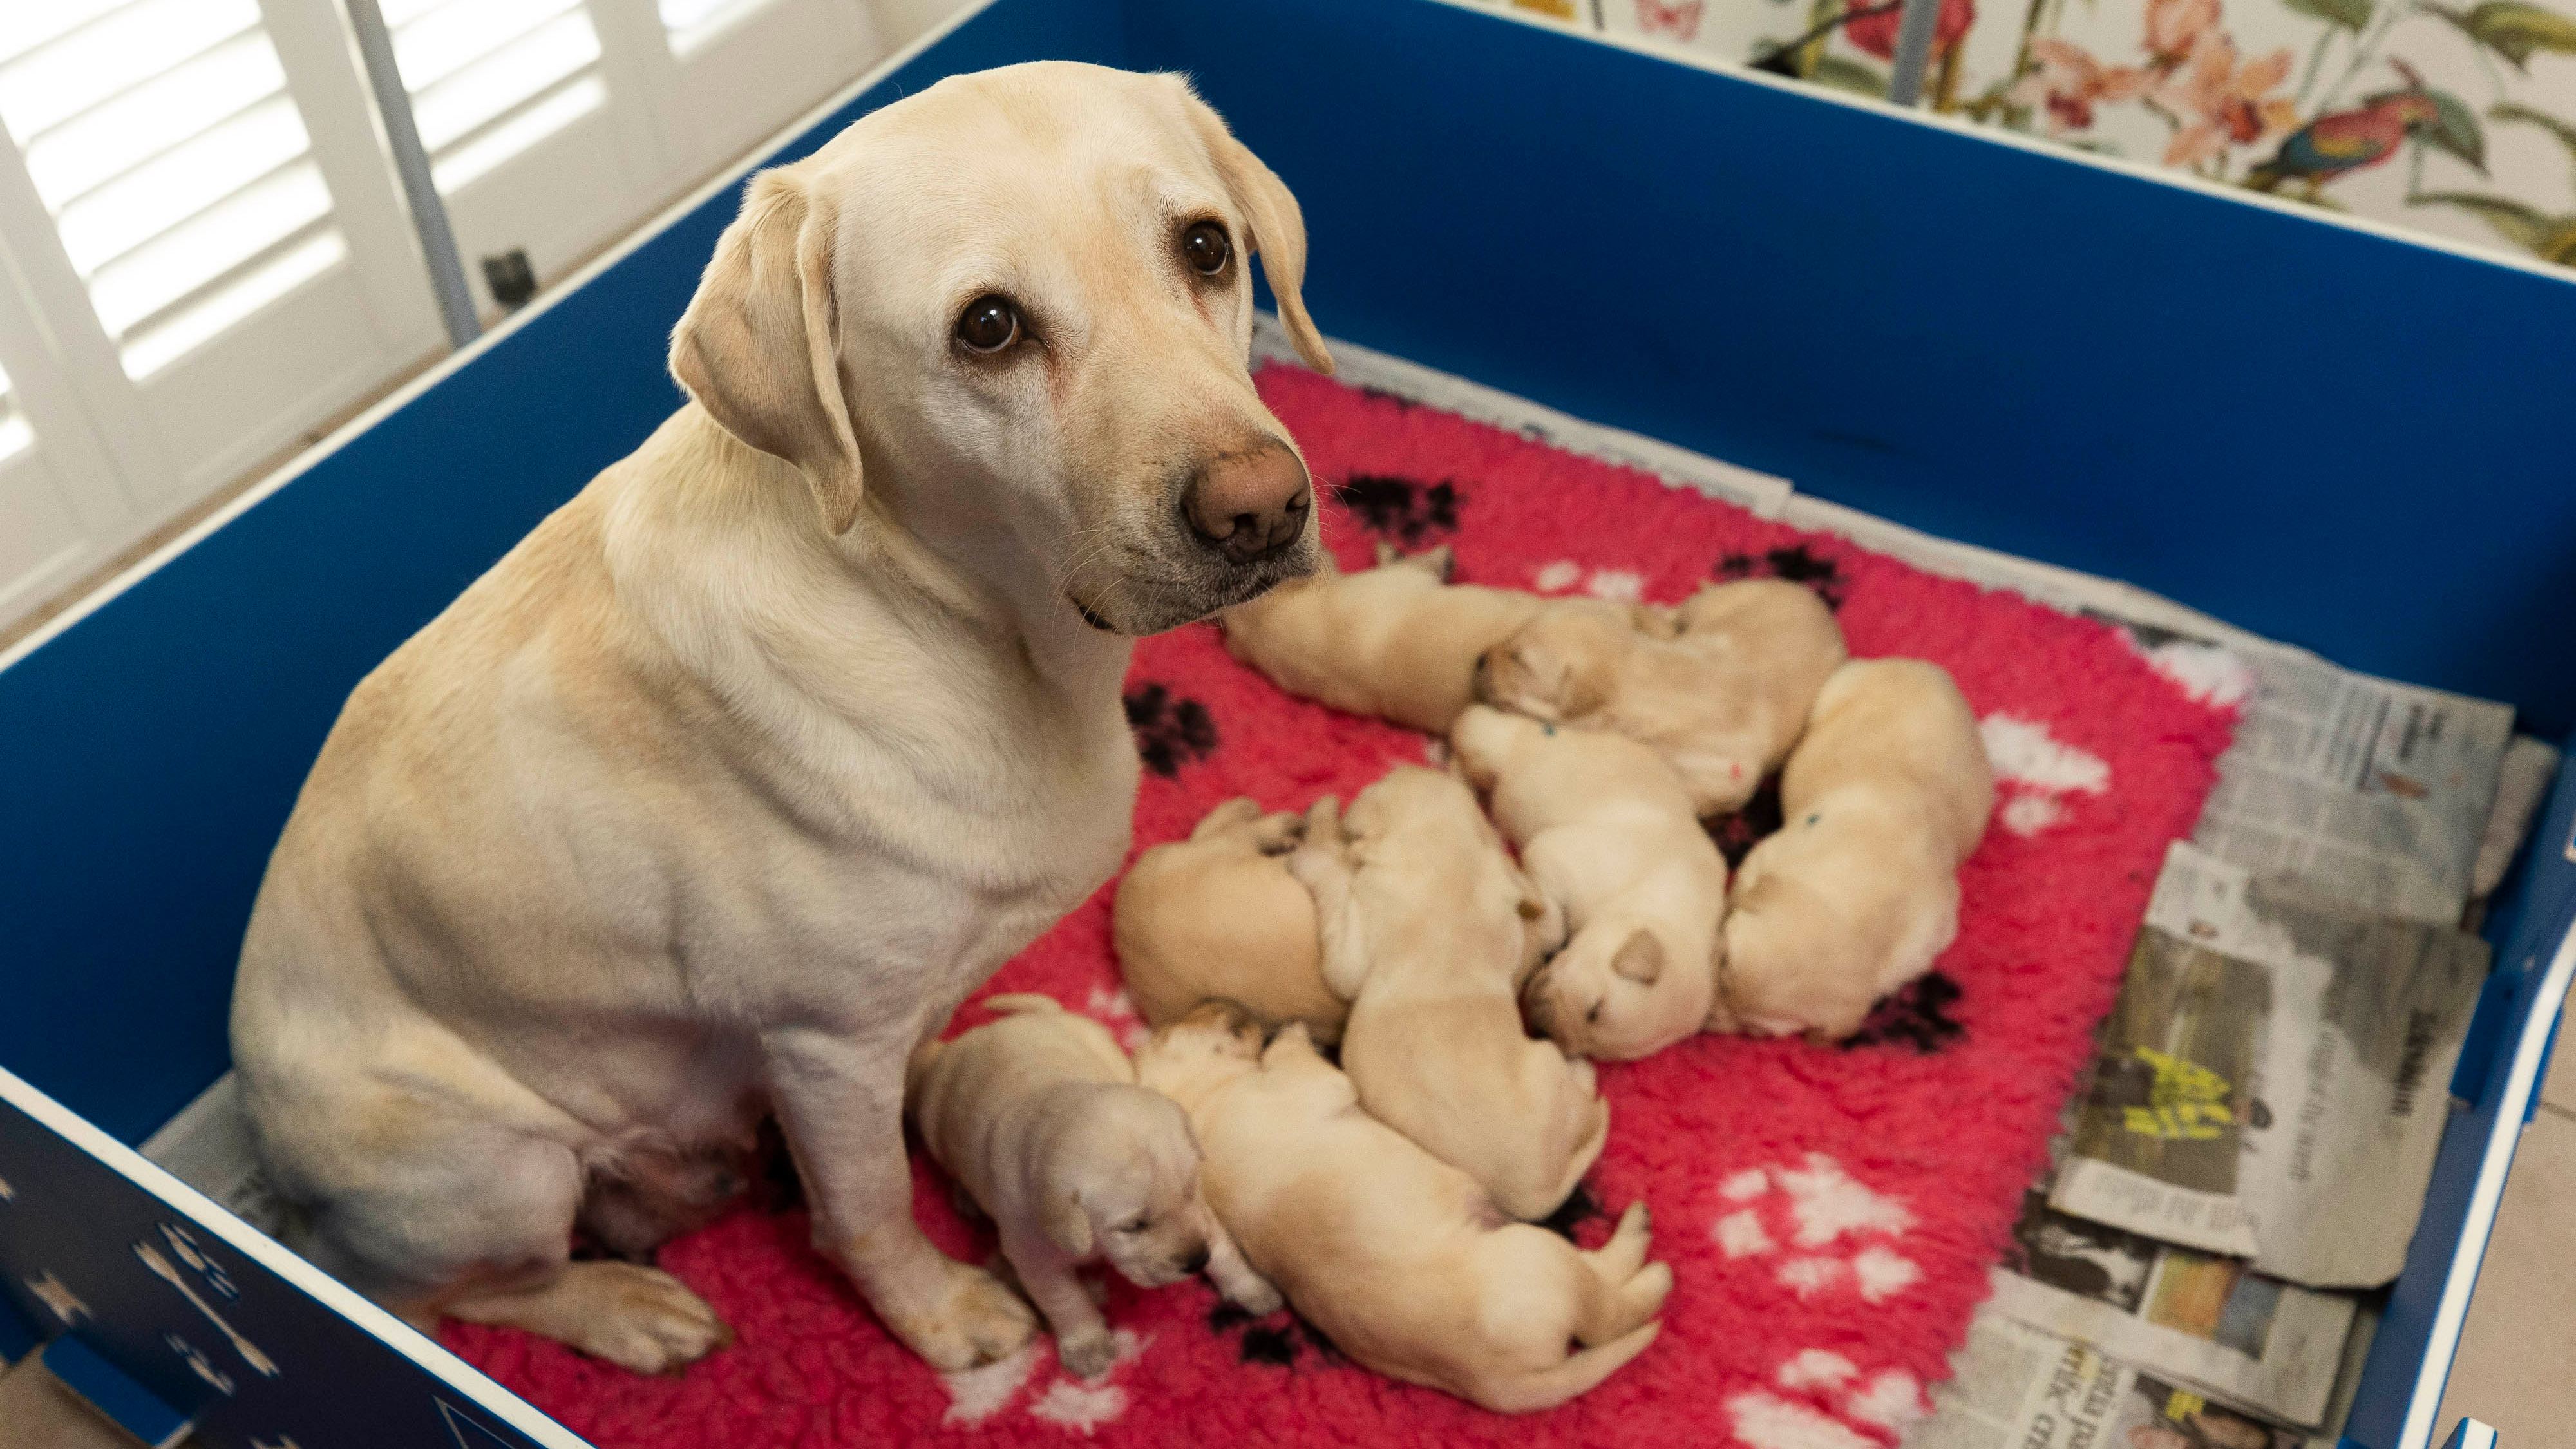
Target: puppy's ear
1640,958
1386,553
1278,227
759,347
1067,1225
1442,561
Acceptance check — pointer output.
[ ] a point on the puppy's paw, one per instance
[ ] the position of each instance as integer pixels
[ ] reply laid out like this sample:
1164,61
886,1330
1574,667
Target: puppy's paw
1089,1356
1256,1295
1587,1077
1280,833
972,1321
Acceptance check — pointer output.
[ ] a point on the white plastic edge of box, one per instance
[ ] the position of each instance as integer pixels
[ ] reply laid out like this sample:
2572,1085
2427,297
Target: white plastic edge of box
2140,170
2521,1081
252,496
205,1212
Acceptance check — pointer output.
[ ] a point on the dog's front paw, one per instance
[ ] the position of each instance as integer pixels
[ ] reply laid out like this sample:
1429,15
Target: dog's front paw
973,1321
1089,1356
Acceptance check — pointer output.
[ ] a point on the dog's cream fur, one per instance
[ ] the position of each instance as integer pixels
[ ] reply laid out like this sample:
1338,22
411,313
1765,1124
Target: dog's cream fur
1218,917
1395,641
1719,686
1858,891
1605,830
1402,1260
1037,1116
1430,929
723,788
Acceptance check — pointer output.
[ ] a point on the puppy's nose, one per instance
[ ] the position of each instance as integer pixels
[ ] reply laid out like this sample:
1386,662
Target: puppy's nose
1250,505
1197,1263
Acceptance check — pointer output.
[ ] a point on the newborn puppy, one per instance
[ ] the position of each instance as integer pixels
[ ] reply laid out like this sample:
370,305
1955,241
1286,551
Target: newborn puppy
1858,890
1394,641
1039,1118
1218,916
1429,929
1720,686
1605,830
1402,1260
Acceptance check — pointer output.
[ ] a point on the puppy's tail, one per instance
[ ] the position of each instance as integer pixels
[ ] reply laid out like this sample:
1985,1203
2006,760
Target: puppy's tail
1580,1373
1013,1003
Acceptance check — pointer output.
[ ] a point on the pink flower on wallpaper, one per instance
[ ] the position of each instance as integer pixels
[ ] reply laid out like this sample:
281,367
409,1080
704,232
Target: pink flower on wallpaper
2174,25
1678,18
1877,33
2223,103
2069,82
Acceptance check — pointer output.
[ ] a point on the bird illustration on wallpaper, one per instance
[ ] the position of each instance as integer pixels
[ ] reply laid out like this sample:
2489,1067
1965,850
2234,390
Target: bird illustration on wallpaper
2454,116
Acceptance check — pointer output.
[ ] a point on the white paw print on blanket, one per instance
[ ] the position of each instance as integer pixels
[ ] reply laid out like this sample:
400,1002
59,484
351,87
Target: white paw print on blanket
1890,1400
979,1393
1113,1008
1620,586
1838,1233
2208,674
2035,771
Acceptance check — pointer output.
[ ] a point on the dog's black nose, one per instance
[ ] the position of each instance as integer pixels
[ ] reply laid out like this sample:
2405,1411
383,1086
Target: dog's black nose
1252,504
1197,1262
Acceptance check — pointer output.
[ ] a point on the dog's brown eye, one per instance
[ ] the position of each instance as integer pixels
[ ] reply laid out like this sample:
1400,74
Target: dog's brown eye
1207,248
1136,1226
989,324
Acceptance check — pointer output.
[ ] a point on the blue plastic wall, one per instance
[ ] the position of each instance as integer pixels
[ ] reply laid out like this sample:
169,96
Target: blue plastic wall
2354,444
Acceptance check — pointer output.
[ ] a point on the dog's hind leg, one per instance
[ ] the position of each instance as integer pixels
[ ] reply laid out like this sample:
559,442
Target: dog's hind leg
444,1214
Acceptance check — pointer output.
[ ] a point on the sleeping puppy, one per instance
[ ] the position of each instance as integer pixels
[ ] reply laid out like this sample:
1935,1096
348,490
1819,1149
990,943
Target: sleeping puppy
1605,830
1720,686
1429,929
1395,641
1219,916
1038,1117
1859,890
1402,1260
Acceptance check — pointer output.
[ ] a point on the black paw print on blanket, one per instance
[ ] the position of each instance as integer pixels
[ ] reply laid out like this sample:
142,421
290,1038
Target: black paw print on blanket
1916,1015
1400,509
1276,1344
1738,833
1169,732
1794,563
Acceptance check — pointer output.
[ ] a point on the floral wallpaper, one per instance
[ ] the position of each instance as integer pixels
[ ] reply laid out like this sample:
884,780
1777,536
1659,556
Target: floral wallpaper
2456,117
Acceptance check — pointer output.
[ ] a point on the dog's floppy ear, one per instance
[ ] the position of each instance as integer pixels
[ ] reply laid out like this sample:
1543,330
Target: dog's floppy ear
759,347
1067,1225
1640,958
1278,227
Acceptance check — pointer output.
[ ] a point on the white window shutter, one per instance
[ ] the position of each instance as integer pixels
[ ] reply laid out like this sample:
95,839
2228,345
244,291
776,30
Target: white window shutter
203,277
162,140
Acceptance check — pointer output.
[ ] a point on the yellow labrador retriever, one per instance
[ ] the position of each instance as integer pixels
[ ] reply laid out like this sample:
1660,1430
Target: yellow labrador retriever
725,786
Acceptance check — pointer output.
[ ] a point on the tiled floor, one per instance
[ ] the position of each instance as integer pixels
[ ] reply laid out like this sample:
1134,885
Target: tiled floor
2517,1363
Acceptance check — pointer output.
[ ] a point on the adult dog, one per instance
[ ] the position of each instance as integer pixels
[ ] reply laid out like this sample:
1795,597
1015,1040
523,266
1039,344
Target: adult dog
725,786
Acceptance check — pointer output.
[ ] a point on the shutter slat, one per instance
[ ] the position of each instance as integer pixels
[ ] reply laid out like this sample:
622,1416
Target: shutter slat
180,177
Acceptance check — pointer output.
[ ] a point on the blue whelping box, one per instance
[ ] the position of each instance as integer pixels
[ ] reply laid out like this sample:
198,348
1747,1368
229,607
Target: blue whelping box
1988,339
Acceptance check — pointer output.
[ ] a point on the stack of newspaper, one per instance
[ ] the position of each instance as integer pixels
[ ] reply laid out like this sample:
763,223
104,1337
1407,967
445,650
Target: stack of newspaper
2247,1162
